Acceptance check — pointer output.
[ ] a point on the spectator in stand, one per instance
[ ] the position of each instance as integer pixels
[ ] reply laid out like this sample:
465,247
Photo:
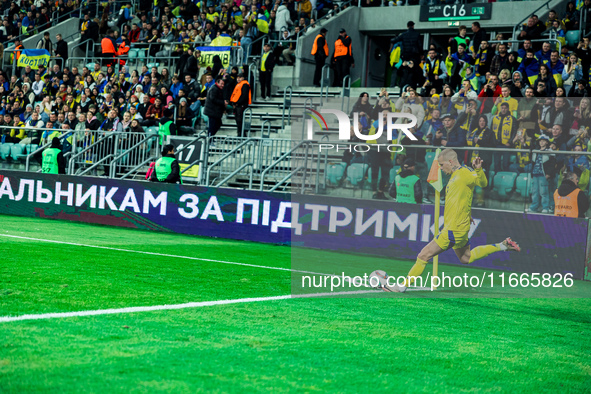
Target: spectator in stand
583,51
499,60
410,74
543,55
45,43
215,106
491,89
545,77
61,49
482,60
434,71
479,36
542,171
451,135
529,67
504,126
531,31
108,46
572,72
410,40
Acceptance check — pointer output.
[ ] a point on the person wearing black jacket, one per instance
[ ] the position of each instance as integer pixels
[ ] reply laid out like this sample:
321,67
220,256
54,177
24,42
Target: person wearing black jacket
240,100
410,43
342,58
61,49
215,105
266,71
167,169
408,169
320,53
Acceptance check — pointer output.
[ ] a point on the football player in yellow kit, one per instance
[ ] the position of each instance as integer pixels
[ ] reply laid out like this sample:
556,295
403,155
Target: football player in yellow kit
457,217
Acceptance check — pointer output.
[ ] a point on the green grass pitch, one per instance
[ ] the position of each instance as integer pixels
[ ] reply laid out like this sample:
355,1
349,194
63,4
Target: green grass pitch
407,343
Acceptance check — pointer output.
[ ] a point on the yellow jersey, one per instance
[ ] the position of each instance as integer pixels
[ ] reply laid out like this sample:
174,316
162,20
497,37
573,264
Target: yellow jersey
458,198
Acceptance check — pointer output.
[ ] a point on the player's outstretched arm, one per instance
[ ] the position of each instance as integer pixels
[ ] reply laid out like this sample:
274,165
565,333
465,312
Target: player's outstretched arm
481,178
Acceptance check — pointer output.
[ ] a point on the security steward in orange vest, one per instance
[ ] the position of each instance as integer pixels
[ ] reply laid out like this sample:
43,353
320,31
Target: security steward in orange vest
241,98
18,47
569,200
108,50
320,53
342,58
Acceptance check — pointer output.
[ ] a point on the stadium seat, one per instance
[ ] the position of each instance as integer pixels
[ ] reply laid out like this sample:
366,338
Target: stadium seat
393,172
523,185
152,130
150,65
141,53
504,184
335,172
513,159
32,148
356,172
5,150
132,53
17,151
491,177
572,38
429,158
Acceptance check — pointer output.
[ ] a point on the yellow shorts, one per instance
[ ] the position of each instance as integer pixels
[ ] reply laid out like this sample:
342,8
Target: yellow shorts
448,239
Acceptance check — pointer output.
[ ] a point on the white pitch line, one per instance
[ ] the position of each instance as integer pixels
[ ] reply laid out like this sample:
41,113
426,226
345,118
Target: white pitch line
160,254
4,319
61,315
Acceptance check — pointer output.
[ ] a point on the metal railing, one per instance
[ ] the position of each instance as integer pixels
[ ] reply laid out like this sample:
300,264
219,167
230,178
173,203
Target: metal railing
136,152
548,40
519,25
286,105
233,162
98,148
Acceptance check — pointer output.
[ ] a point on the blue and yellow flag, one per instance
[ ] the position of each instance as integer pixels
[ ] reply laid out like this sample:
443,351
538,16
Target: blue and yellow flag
223,40
34,58
263,23
208,53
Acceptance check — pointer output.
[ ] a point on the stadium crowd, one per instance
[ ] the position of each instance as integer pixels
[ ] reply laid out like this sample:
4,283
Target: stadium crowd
504,94
471,93
109,96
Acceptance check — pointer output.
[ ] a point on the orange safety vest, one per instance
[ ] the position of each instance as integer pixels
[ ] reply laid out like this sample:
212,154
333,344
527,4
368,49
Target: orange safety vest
567,206
238,91
18,53
123,49
315,46
107,46
340,49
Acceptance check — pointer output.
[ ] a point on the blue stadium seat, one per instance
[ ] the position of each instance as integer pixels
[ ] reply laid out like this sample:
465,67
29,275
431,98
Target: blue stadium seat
32,148
572,38
513,159
335,172
356,172
393,172
141,53
17,151
523,185
133,53
5,150
504,184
